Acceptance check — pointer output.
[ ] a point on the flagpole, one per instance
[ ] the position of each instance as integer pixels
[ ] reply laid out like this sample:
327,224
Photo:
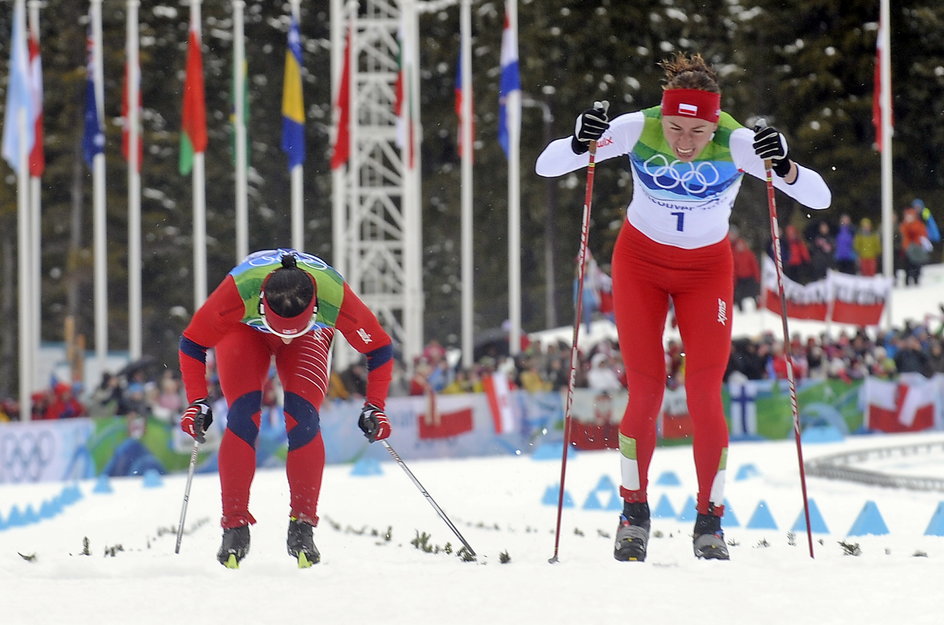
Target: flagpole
414,304
338,49
884,32
340,26
297,176
23,234
239,126
134,183
465,29
199,194
98,185
514,209
35,200
16,115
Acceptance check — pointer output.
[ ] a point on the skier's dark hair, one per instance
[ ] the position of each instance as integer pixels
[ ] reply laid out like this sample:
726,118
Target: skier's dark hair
289,289
689,72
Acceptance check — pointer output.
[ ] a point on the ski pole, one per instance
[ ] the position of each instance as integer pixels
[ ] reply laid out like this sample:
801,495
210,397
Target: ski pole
581,261
183,510
429,498
778,263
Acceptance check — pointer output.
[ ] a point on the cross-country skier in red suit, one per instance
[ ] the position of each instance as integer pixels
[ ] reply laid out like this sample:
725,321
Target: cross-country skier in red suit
287,304
688,159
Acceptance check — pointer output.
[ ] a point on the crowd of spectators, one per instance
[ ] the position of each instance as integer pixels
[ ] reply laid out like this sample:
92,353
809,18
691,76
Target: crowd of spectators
916,348
854,249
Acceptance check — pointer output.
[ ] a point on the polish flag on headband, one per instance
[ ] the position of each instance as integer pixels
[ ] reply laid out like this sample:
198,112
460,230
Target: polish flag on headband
692,103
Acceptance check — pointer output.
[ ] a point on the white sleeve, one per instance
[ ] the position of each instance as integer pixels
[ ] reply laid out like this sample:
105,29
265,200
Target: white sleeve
809,188
558,158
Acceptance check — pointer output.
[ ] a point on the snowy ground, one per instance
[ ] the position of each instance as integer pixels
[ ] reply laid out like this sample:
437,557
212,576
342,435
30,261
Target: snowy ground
496,503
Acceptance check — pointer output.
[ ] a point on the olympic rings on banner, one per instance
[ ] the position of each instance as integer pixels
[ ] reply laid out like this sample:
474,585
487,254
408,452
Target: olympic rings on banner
24,455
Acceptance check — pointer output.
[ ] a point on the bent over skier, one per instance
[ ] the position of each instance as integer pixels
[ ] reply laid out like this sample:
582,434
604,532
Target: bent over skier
288,305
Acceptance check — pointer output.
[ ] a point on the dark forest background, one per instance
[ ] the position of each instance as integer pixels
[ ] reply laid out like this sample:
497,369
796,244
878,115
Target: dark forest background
807,66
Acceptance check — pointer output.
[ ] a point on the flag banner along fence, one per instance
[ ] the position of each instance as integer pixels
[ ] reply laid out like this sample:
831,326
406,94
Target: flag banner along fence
839,298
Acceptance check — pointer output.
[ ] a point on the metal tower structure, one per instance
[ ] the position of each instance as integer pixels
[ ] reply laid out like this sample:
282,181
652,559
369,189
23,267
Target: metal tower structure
377,226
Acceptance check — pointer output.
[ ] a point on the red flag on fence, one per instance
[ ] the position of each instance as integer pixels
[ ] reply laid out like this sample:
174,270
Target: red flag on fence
499,402
858,300
895,406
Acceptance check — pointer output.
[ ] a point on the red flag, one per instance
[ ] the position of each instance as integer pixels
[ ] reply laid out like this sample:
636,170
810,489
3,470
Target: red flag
37,157
342,143
877,93
434,424
804,301
898,406
125,114
858,300
499,402
193,139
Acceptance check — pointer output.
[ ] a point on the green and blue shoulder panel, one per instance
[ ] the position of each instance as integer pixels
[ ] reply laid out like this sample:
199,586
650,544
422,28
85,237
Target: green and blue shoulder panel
667,178
250,274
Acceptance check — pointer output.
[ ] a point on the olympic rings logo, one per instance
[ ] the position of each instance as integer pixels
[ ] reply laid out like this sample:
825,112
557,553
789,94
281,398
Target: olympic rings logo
262,259
23,456
694,179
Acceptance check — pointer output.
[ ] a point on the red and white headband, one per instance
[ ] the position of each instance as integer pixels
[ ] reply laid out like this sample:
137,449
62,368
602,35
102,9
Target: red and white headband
692,103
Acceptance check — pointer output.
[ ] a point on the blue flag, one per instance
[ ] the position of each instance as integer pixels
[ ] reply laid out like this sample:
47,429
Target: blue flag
19,99
509,86
293,109
93,141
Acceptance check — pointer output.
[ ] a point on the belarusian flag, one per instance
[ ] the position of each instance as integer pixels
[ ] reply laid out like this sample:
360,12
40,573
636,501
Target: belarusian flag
193,136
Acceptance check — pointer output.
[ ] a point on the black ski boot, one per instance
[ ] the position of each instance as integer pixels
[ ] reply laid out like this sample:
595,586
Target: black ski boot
632,535
300,543
708,540
235,546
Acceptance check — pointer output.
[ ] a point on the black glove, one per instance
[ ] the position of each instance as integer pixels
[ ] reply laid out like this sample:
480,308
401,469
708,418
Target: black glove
770,144
590,126
196,419
374,423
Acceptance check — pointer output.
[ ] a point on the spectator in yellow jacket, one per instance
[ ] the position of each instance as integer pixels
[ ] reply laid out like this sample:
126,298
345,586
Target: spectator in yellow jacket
868,247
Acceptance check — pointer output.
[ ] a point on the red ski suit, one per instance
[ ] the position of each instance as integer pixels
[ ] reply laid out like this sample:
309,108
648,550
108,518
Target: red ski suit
243,355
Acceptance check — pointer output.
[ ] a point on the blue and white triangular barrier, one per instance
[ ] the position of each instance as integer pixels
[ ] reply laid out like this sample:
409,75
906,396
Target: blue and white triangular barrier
817,523
762,519
869,521
936,526
664,509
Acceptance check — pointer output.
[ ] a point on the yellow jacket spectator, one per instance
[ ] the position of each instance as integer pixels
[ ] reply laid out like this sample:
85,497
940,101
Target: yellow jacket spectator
867,246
